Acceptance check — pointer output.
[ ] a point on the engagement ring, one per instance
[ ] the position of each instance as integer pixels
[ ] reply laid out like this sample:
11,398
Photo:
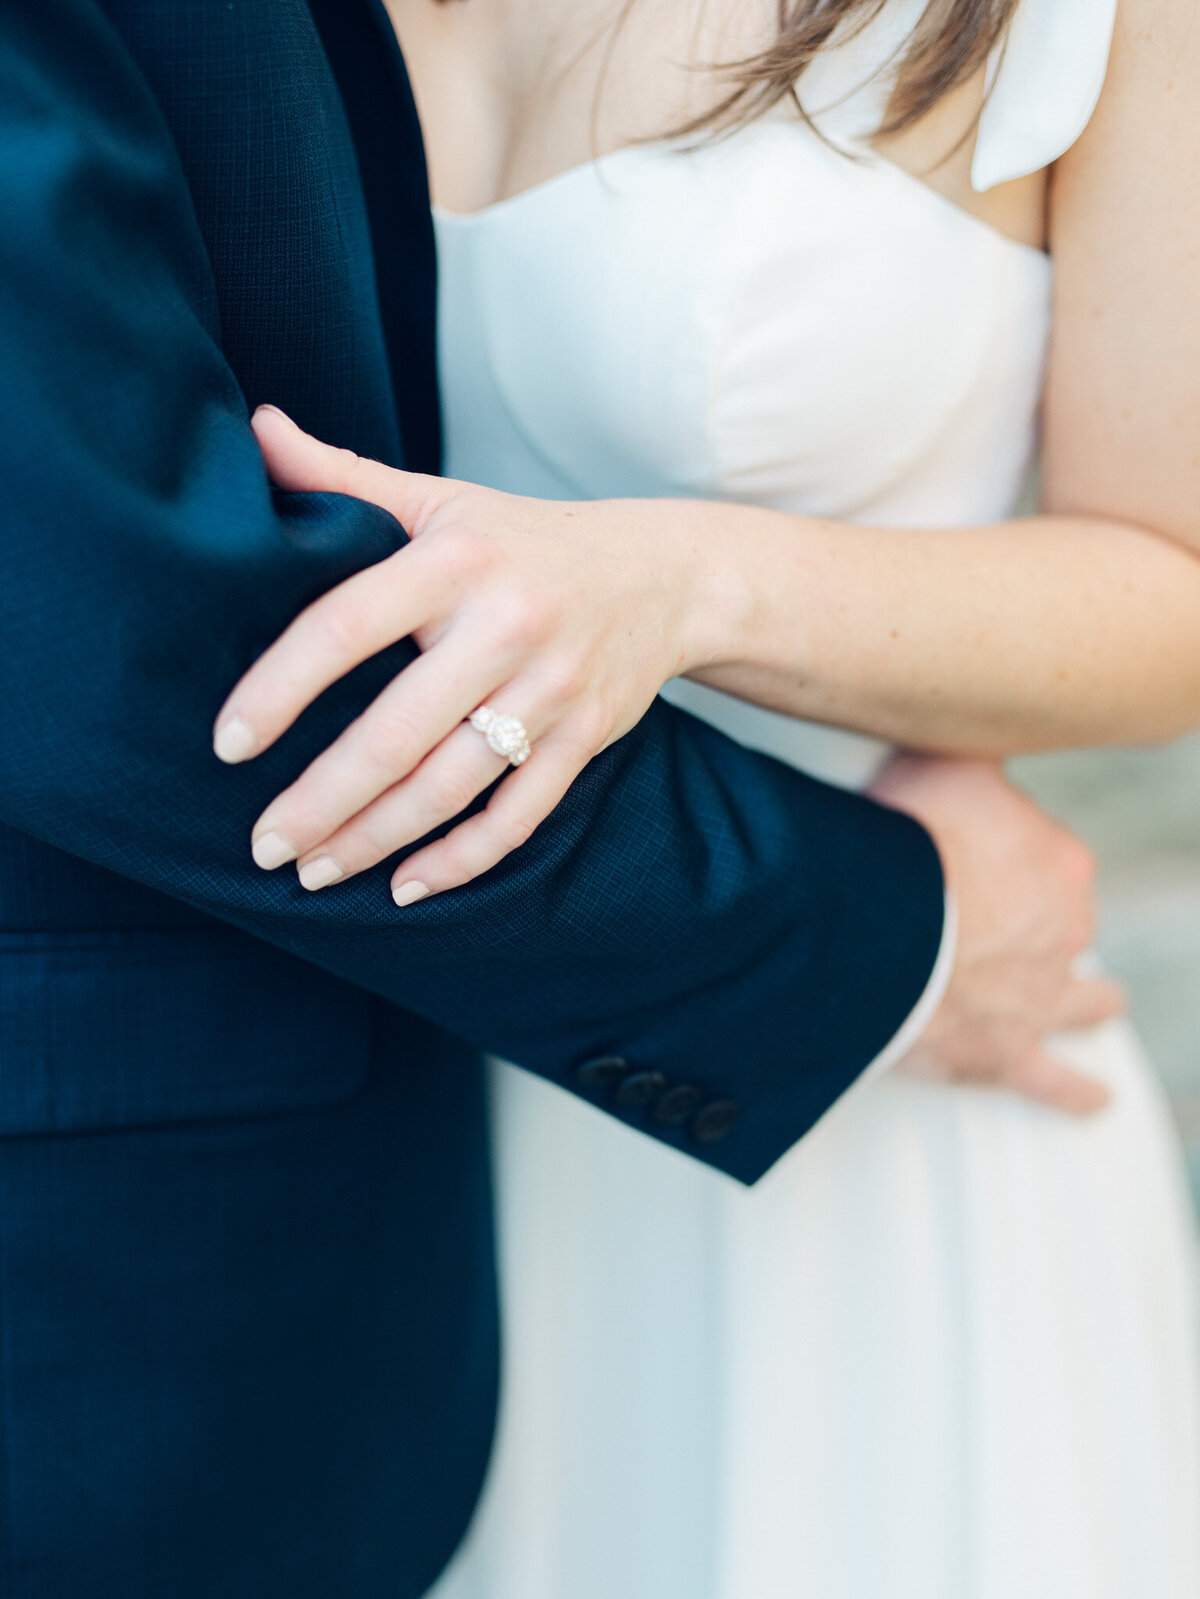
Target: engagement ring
505,734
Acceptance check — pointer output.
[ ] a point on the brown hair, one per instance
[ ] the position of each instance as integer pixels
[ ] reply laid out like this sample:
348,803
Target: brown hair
950,43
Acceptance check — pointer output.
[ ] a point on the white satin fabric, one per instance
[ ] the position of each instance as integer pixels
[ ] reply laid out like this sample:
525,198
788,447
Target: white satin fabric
947,1348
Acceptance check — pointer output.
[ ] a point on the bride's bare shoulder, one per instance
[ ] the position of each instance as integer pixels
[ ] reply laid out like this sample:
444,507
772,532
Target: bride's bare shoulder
1123,393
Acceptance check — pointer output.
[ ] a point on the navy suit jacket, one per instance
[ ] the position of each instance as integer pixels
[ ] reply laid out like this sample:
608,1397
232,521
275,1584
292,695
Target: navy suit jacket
247,1320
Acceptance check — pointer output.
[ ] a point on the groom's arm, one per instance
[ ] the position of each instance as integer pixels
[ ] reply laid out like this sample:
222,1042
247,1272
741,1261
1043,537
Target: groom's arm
705,916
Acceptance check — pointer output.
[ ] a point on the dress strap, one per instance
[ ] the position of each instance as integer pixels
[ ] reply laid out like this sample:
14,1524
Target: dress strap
1044,80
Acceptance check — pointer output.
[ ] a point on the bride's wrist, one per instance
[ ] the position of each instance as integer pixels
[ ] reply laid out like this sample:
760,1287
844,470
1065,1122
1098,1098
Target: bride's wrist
753,578
718,601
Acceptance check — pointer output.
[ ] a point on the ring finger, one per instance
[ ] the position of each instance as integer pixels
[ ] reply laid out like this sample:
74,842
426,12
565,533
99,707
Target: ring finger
446,782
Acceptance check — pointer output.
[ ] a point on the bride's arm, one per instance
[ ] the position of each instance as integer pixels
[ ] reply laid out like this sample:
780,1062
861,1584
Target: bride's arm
1078,626
1042,633
1073,627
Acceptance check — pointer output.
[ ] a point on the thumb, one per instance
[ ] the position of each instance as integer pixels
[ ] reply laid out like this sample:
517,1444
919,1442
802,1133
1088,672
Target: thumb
301,464
1050,1082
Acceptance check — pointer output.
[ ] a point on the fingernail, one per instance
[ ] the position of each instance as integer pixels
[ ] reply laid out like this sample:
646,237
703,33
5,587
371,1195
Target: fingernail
409,893
275,411
235,741
272,850
320,873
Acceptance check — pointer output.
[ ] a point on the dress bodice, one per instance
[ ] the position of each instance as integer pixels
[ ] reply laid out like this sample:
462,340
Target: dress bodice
762,320
775,318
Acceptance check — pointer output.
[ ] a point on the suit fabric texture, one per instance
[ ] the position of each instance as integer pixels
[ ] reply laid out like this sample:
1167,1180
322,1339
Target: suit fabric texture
248,1341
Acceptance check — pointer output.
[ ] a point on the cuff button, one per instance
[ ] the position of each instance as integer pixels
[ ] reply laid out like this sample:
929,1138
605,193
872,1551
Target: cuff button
678,1103
601,1072
641,1088
715,1121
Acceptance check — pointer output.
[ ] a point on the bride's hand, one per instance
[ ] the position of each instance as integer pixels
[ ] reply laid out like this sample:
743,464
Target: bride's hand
568,616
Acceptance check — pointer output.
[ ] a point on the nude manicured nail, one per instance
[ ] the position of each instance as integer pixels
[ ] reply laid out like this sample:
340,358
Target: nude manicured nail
320,873
235,741
409,893
272,850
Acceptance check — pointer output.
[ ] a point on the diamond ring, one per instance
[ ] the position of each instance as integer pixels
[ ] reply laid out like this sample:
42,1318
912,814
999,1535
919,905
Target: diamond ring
505,734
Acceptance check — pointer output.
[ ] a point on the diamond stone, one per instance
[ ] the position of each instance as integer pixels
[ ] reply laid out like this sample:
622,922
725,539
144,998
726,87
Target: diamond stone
506,735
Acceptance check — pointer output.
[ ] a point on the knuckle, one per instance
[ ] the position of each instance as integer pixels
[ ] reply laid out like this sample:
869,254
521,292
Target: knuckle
465,553
522,618
347,467
387,738
306,821
376,835
456,861
446,795
338,626
590,730
560,680
512,830
357,846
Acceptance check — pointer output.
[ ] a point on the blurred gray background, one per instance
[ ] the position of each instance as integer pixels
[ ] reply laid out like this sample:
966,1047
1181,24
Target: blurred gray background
1140,812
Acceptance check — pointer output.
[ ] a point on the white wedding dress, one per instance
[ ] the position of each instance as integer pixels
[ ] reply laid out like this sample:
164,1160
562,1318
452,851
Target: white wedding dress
947,1348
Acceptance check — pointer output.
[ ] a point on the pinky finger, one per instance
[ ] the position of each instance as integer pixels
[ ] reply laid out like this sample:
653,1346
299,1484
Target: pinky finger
520,804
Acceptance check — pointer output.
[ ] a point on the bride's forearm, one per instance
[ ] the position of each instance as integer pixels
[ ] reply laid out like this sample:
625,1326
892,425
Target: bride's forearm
1039,633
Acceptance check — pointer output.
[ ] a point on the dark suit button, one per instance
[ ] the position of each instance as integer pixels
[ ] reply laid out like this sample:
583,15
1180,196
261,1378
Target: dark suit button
678,1103
715,1121
601,1072
641,1088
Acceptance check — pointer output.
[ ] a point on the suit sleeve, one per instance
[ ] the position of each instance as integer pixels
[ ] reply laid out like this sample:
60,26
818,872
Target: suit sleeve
708,918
